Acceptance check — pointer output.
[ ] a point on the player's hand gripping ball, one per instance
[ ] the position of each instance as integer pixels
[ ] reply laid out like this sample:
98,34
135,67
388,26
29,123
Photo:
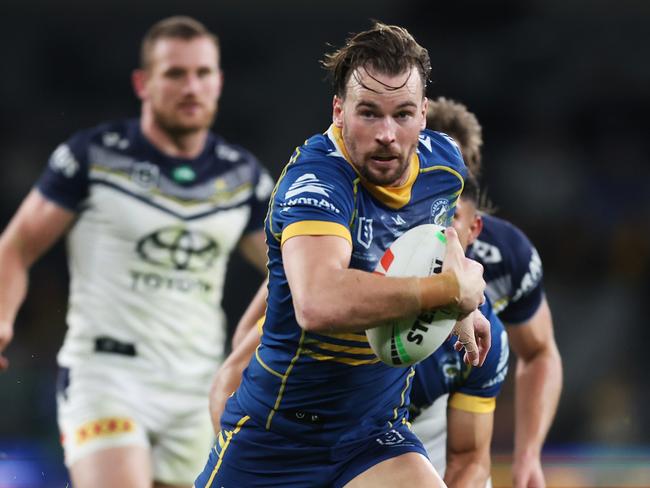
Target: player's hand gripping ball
418,252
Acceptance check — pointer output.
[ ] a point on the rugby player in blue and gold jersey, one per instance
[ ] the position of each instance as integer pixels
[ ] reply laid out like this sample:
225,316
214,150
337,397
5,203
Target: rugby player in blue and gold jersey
315,407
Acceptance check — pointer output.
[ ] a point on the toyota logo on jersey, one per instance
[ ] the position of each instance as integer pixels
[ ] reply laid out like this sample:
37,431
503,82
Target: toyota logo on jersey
178,248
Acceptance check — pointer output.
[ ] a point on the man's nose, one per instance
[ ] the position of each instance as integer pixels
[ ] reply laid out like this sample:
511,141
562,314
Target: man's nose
192,83
386,131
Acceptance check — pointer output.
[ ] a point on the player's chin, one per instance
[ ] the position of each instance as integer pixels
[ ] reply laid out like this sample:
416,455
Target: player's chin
383,174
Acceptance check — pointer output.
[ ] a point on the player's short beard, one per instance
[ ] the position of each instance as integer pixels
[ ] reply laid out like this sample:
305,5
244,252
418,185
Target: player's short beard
172,126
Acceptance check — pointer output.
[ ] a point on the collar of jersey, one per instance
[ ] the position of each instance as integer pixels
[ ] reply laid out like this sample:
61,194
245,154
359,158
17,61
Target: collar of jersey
394,196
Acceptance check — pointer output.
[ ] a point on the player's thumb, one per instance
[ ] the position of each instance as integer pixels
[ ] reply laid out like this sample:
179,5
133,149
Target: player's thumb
454,249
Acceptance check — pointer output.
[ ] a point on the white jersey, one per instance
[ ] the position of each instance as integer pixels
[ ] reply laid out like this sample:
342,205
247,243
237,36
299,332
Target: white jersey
149,250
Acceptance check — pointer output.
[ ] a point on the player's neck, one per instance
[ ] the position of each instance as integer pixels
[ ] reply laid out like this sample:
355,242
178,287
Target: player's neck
188,145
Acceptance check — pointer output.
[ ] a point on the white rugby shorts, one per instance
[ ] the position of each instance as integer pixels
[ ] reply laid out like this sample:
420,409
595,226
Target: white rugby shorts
102,407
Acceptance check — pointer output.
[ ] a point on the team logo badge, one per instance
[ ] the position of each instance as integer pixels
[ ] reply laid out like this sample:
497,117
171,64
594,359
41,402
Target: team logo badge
145,174
439,210
364,232
179,249
390,438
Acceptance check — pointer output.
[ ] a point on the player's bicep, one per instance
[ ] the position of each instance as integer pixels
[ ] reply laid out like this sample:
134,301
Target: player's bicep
36,226
308,259
534,335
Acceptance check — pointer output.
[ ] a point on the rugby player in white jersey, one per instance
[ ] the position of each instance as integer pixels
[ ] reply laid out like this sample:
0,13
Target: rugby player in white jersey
512,270
152,208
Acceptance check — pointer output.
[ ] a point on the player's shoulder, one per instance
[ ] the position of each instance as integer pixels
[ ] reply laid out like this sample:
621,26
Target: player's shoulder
438,149
117,134
500,237
230,153
320,153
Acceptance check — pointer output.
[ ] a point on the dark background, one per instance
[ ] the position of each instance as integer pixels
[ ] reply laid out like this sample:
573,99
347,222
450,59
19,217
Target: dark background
562,89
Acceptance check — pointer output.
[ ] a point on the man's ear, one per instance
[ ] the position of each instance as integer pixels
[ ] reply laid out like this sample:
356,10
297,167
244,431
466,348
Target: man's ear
425,105
337,111
475,229
139,82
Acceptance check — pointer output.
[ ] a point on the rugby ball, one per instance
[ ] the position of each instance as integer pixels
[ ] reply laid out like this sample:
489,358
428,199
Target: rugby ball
401,343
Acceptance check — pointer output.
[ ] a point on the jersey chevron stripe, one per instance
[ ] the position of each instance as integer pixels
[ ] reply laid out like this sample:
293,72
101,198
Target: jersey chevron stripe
337,359
147,201
229,436
284,380
221,195
328,346
470,403
316,228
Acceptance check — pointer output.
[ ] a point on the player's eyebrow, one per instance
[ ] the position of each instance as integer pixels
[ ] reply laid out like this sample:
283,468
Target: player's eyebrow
373,105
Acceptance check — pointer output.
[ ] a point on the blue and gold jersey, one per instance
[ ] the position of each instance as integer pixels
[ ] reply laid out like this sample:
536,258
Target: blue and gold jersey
471,389
512,270
329,389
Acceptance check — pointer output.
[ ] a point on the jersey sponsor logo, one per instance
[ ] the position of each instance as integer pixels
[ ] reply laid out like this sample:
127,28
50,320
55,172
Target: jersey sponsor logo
532,278
145,175
308,183
152,282
439,211
312,202
364,232
264,187
101,428
486,252
113,139
64,162
178,248
184,174
227,153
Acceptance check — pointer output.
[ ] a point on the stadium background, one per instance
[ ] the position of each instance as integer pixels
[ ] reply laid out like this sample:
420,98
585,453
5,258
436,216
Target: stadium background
562,88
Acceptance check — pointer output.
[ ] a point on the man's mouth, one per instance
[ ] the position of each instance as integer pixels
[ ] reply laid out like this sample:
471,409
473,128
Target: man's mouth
383,158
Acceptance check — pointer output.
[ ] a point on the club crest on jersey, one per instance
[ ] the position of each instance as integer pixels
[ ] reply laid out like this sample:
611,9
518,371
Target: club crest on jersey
439,211
451,368
364,232
390,438
145,174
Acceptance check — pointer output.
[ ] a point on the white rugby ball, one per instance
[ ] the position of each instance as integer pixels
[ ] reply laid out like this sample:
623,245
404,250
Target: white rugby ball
401,343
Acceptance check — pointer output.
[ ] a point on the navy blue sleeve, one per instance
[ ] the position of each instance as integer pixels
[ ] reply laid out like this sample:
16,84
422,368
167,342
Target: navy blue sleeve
65,179
528,289
486,381
260,200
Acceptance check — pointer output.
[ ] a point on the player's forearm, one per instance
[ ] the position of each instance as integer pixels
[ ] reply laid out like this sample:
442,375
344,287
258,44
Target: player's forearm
353,300
253,313
229,376
467,471
13,280
538,384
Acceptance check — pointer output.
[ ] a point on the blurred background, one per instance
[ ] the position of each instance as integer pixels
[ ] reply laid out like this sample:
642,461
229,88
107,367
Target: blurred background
561,87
